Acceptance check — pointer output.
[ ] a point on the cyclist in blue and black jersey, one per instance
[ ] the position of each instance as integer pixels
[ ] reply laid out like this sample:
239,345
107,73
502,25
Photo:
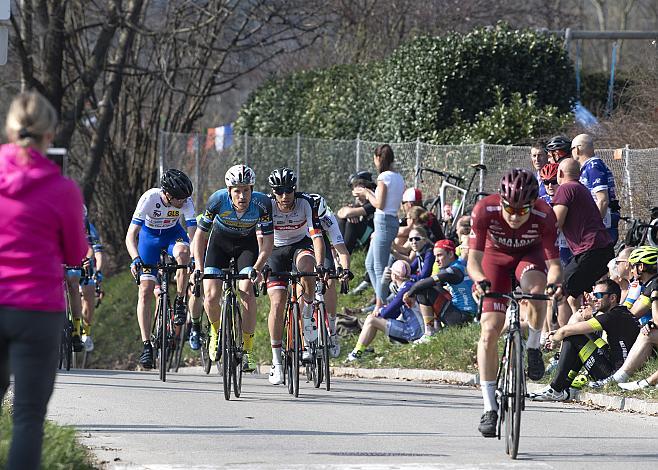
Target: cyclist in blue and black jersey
597,177
155,227
91,287
237,223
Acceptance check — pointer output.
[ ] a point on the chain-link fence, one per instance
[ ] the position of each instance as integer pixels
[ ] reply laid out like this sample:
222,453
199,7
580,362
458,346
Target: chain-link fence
324,166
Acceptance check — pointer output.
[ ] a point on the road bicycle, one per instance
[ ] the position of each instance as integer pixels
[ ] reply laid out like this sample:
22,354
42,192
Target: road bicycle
230,338
511,390
68,358
641,233
318,369
165,334
452,198
293,342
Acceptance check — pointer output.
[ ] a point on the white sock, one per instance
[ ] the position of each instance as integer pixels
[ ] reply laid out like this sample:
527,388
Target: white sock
276,354
332,324
534,337
620,376
489,395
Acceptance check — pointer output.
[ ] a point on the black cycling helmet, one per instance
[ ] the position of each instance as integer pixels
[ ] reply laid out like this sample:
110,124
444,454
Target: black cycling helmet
176,184
359,175
282,178
559,142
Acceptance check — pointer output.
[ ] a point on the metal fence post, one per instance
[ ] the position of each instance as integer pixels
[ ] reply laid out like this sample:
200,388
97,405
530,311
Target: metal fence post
417,162
299,158
246,148
199,197
161,154
358,152
628,180
481,185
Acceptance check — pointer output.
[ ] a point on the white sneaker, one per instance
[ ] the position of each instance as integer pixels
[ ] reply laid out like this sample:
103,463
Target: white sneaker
87,342
548,394
640,384
352,356
334,348
276,374
602,383
310,329
423,339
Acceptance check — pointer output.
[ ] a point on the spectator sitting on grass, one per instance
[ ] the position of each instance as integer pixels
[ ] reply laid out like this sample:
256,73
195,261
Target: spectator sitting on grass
416,217
446,295
409,328
583,346
421,258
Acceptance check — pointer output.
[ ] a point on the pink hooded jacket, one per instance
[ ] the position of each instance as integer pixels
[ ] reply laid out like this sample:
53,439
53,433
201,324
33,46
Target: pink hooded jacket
41,228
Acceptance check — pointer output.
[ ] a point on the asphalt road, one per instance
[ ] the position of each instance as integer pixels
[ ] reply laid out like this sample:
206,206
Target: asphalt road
132,420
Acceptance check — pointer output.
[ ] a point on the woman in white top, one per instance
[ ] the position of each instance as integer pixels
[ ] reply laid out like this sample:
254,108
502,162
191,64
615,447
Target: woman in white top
386,199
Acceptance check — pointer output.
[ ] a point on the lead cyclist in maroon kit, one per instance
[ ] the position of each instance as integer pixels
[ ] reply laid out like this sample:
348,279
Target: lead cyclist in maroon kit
513,233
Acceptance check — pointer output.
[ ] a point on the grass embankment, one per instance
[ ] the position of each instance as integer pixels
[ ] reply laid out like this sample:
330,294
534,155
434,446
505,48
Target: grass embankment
116,336
60,451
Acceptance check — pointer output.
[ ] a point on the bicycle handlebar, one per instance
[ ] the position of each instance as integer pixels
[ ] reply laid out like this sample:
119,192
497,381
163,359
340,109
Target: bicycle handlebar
444,174
515,296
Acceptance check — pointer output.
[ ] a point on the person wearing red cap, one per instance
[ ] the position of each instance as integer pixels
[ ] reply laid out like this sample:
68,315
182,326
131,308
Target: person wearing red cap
447,293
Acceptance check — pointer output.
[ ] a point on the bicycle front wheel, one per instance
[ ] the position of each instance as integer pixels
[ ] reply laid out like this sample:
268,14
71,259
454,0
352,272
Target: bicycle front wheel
164,311
237,350
325,338
296,346
227,348
515,394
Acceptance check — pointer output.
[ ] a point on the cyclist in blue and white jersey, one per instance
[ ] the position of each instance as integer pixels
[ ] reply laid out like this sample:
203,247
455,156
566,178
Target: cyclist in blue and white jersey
155,227
333,240
298,242
597,177
237,223
89,287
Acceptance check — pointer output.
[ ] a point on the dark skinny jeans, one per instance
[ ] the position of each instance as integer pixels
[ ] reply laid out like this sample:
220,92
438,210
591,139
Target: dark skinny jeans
29,349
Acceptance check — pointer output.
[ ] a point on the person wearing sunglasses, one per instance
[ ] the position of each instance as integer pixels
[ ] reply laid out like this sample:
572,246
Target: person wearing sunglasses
579,220
583,346
237,223
298,242
644,265
512,235
155,226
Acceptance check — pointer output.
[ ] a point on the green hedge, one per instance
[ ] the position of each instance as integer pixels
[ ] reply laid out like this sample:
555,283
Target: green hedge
422,90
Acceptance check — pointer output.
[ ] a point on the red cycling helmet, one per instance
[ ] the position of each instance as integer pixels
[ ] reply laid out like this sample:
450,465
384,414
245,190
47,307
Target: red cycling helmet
519,187
549,172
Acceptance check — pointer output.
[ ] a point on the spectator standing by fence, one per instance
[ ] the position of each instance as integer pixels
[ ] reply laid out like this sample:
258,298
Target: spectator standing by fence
589,241
539,159
597,177
386,198
42,230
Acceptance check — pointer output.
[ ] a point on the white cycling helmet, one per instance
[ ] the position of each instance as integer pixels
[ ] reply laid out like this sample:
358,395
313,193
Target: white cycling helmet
240,175
320,204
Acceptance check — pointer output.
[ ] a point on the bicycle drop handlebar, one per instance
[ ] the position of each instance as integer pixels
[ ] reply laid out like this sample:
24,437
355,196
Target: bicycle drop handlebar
448,176
514,296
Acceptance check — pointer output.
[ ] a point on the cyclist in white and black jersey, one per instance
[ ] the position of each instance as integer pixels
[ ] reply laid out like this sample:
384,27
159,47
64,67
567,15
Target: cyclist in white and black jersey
297,241
333,240
155,226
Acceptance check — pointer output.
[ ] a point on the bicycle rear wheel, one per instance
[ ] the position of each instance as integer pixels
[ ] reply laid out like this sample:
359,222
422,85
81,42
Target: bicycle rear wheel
179,342
237,350
515,394
227,348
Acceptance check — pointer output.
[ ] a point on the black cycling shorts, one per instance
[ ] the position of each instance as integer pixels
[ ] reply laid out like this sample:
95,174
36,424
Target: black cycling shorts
222,248
282,259
585,269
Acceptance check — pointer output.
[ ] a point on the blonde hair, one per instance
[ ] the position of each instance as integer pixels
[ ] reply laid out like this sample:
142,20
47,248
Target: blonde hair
30,118
418,214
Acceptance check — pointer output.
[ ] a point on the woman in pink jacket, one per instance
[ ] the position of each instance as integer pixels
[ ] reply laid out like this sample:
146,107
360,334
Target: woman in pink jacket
41,229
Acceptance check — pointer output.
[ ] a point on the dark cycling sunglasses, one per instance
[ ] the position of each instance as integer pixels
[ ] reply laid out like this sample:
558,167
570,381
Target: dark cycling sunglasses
523,210
283,190
599,295
547,182
415,239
